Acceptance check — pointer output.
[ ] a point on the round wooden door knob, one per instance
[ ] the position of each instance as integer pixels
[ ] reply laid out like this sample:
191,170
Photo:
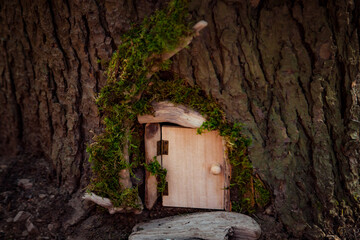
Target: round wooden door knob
215,169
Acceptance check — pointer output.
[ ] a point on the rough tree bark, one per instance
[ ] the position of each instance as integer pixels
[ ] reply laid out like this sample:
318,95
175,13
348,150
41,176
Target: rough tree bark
289,70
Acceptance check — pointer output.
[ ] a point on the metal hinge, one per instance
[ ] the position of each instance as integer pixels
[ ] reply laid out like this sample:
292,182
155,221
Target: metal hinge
162,147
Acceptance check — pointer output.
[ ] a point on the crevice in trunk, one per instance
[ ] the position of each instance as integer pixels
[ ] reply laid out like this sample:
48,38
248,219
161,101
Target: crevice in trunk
55,34
18,113
104,24
78,104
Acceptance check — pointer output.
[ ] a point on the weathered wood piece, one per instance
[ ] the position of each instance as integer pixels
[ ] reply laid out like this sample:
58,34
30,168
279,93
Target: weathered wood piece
152,136
182,44
210,226
106,203
173,113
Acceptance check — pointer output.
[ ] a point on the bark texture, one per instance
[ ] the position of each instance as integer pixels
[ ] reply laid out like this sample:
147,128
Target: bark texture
289,70
50,76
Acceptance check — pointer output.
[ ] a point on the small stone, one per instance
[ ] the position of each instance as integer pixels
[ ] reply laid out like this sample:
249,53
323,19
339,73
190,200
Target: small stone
25,183
30,227
42,196
52,196
24,233
21,216
51,227
9,220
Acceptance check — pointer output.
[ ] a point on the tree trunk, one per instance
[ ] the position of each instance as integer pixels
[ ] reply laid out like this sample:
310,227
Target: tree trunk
288,70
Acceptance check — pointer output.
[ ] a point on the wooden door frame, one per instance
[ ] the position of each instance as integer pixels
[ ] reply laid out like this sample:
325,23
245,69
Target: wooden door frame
182,116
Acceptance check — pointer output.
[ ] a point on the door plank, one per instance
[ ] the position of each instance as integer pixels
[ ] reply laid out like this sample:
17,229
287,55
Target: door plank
190,157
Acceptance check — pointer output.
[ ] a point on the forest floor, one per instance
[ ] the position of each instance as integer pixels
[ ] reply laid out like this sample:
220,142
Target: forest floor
33,207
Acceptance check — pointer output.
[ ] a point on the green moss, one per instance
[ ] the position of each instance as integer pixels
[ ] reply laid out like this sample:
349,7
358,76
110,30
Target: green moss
157,170
128,93
262,195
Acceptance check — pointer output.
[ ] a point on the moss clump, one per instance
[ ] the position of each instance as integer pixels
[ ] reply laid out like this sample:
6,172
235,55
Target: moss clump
129,92
157,170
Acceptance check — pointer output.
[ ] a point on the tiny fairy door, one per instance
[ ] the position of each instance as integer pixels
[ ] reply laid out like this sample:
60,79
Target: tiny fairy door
195,168
198,171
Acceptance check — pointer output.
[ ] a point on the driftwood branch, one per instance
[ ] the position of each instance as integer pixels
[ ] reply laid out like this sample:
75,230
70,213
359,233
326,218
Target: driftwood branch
177,114
106,203
210,226
182,44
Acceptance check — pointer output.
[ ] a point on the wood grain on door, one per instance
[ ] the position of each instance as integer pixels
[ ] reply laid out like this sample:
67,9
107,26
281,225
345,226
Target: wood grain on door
191,182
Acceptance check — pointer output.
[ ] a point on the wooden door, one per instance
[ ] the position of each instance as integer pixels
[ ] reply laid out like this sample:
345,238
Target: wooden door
188,163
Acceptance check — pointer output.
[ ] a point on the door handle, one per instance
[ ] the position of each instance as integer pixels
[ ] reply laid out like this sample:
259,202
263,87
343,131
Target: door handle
215,169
